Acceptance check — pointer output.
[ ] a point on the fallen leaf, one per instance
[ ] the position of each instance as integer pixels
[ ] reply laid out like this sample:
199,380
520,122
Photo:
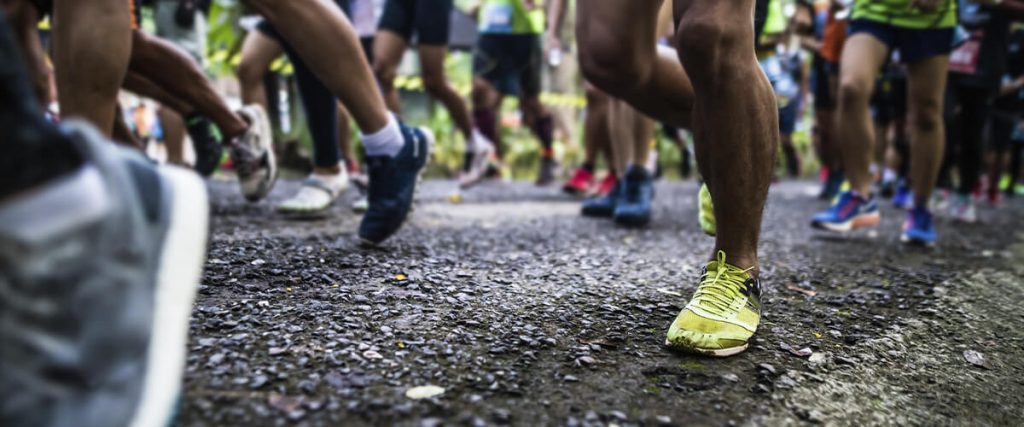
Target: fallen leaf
424,392
372,355
401,277
977,359
668,292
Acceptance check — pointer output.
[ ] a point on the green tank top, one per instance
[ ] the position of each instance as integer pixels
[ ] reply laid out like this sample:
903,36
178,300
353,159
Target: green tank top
898,13
511,17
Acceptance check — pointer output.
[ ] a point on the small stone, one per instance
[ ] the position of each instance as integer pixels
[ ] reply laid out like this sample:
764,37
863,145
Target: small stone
977,359
766,367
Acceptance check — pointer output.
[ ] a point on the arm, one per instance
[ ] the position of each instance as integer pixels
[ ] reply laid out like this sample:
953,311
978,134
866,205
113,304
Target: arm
555,16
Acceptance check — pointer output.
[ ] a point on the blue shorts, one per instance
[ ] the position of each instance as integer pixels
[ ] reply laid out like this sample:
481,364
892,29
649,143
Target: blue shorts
788,117
913,44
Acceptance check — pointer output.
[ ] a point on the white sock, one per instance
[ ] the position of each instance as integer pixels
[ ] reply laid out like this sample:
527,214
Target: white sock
479,141
387,141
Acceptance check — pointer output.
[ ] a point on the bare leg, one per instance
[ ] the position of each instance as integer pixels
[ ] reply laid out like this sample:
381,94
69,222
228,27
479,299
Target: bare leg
345,138
258,52
142,86
388,49
862,56
486,102
643,132
629,64
326,41
174,70
596,135
735,118
436,84
174,135
92,45
926,84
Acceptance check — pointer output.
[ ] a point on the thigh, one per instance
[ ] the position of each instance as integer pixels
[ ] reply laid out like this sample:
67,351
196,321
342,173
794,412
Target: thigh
618,29
432,21
432,61
530,74
388,49
862,57
260,50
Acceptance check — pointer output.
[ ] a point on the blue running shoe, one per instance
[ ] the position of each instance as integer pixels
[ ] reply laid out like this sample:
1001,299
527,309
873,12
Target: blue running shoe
919,229
904,198
634,209
849,212
392,185
604,206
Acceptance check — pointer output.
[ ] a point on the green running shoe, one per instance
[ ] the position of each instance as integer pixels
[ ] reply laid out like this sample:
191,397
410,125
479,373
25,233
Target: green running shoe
706,212
722,315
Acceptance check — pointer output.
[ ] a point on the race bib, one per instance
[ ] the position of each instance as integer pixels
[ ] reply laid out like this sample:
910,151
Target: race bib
498,18
964,59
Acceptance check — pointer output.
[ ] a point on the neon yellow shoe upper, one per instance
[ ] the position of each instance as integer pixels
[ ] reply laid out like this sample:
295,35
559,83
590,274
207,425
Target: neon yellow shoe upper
722,315
706,212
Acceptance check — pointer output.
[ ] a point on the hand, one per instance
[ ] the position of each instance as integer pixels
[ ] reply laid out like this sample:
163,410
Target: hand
551,43
925,5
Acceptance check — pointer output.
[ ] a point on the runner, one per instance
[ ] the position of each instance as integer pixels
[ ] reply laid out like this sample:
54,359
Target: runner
596,142
426,22
830,34
98,336
730,106
508,61
923,31
629,201
785,70
329,178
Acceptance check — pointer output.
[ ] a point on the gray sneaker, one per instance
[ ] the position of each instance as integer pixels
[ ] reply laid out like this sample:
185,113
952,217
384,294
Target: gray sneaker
253,155
98,272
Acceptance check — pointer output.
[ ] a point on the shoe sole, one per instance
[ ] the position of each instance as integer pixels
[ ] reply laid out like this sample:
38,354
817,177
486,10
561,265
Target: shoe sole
181,264
860,221
916,242
722,352
429,136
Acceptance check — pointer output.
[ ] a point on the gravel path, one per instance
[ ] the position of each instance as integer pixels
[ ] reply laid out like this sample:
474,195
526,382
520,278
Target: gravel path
527,314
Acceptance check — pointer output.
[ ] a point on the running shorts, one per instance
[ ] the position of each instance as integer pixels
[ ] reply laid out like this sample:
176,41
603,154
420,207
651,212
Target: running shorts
512,63
914,44
428,20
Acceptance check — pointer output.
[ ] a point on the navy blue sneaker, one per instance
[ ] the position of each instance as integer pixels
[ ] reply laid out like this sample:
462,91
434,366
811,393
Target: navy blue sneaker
634,209
206,140
904,198
603,206
392,185
919,229
850,211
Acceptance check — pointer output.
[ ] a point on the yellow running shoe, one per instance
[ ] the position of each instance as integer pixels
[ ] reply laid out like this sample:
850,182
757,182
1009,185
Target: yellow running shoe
706,212
723,314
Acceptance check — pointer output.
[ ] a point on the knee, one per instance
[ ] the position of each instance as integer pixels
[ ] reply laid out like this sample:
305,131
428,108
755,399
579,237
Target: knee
434,84
708,46
854,93
385,73
250,72
611,64
926,115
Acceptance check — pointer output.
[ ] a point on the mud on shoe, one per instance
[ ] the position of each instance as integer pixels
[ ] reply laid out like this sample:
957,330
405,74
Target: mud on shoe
253,155
392,185
105,262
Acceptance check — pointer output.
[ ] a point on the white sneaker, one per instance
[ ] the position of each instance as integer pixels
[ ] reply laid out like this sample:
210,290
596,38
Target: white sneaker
316,194
963,209
253,155
482,151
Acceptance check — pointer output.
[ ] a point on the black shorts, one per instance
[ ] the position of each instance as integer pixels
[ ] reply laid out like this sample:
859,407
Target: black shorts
823,72
428,20
264,26
512,63
889,100
914,44
1001,126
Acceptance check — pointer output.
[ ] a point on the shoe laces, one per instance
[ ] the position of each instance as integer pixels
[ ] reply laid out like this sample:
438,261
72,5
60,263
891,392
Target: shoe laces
718,290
